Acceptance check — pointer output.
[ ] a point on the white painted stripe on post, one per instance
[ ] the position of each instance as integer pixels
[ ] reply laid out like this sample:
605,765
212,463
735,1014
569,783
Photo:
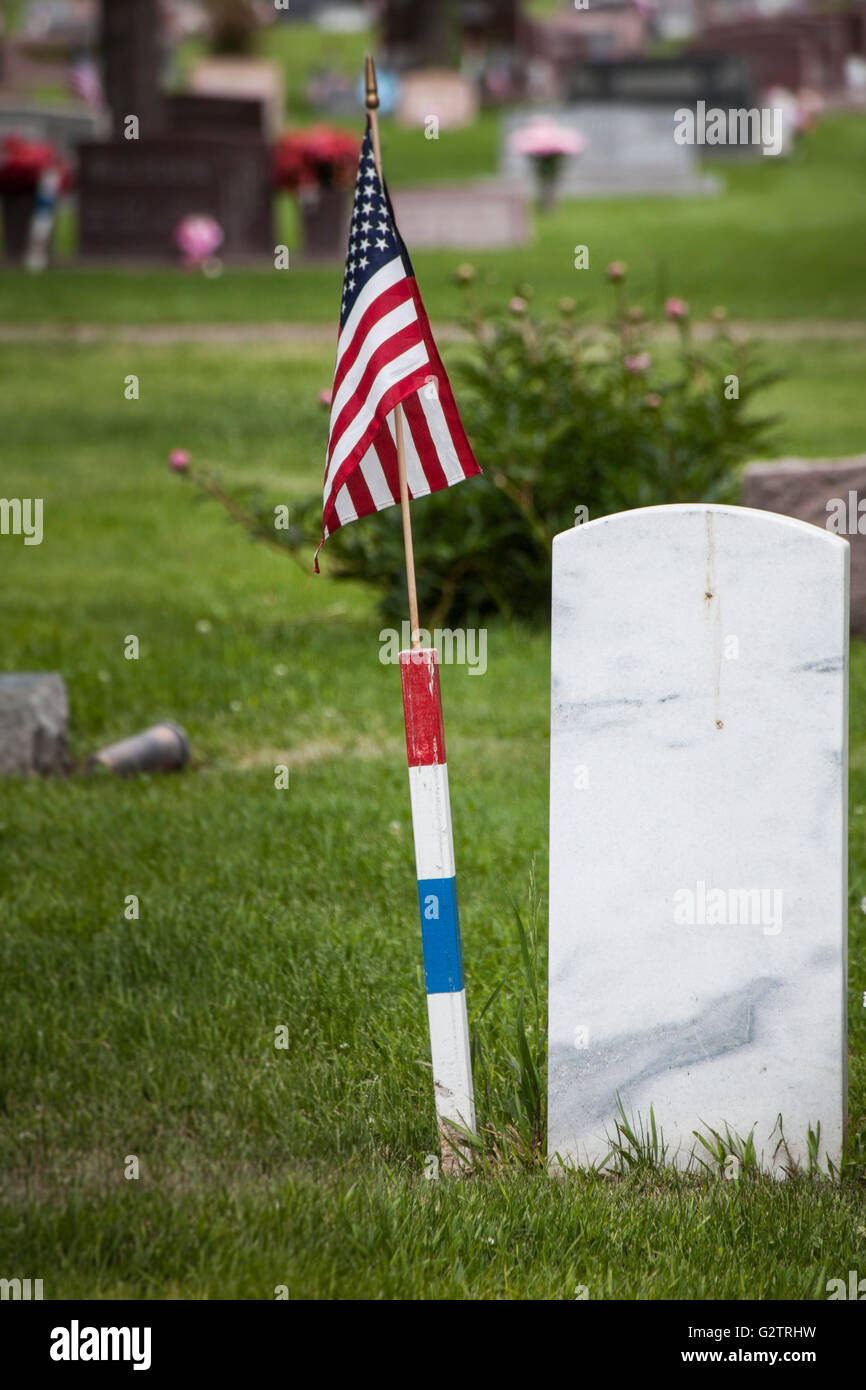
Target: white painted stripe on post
452,1070
431,821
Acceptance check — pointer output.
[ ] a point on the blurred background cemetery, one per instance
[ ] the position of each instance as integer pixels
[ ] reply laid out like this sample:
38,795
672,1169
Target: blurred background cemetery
175,179
237,108
168,164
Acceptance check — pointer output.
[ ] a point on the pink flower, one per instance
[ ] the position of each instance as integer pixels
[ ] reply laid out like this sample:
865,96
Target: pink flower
810,105
676,309
543,136
652,399
179,460
637,362
616,270
325,397
198,236
517,305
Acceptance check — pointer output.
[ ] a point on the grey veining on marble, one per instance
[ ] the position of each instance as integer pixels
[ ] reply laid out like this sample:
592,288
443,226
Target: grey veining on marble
698,872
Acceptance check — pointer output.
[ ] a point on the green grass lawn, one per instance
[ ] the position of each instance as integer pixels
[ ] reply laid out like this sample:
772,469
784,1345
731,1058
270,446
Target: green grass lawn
155,1037
786,240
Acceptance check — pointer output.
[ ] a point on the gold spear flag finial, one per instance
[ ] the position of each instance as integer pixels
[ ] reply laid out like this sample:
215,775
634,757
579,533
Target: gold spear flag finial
372,89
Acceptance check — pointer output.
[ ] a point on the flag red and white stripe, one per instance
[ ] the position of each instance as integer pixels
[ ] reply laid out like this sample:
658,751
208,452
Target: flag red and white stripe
386,356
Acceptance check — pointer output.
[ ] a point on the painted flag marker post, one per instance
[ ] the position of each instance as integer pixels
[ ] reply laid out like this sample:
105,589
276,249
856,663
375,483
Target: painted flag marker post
431,826
391,439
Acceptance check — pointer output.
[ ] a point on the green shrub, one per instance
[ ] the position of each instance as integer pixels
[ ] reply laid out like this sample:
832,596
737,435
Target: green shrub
561,418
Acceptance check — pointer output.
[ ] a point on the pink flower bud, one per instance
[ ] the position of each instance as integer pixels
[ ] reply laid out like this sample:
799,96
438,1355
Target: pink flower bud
635,313
652,399
676,309
198,236
517,305
637,362
179,460
616,270
325,397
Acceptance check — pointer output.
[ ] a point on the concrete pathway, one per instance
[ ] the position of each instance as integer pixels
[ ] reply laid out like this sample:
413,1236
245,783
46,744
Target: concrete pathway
324,334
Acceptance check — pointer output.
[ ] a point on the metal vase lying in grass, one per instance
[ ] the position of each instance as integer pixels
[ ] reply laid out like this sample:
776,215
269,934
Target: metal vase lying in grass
161,748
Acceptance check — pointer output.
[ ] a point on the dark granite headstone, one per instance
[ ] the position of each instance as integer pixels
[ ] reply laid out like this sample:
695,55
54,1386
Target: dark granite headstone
856,19
416,34
133,194
493,21
188,113
791,50
194,154
717,79
299,11
130,40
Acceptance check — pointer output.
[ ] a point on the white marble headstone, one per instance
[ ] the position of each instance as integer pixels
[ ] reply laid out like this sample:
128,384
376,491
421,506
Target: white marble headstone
698,793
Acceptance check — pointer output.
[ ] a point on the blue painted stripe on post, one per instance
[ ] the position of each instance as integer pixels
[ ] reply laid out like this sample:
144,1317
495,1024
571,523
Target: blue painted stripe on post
440,930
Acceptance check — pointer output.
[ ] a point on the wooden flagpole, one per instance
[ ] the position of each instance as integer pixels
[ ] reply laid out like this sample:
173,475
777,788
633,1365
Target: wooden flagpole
450,1049
373,110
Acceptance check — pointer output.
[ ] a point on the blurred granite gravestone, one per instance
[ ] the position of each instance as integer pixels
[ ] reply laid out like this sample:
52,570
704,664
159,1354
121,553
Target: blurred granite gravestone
718,79
57,125
132,56
189,157
654,90
133,200
698,831
438,92
790,50
830,493
34,721
245,78
300,11
629,149
419,35
191,113
470,216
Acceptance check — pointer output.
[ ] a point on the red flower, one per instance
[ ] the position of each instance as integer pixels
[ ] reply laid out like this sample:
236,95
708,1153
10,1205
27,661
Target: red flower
23,162
318,157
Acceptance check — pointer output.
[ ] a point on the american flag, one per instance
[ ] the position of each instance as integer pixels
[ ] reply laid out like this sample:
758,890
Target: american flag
84,80
385,355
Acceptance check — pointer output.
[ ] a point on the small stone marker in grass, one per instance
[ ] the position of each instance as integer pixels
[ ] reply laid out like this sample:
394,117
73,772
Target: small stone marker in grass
830,493
34,720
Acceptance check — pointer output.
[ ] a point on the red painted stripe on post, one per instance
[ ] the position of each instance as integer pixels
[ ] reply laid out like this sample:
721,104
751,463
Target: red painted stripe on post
422,707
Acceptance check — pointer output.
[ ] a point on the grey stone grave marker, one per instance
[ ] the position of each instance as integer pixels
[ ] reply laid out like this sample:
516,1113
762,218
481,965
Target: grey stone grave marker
630,149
